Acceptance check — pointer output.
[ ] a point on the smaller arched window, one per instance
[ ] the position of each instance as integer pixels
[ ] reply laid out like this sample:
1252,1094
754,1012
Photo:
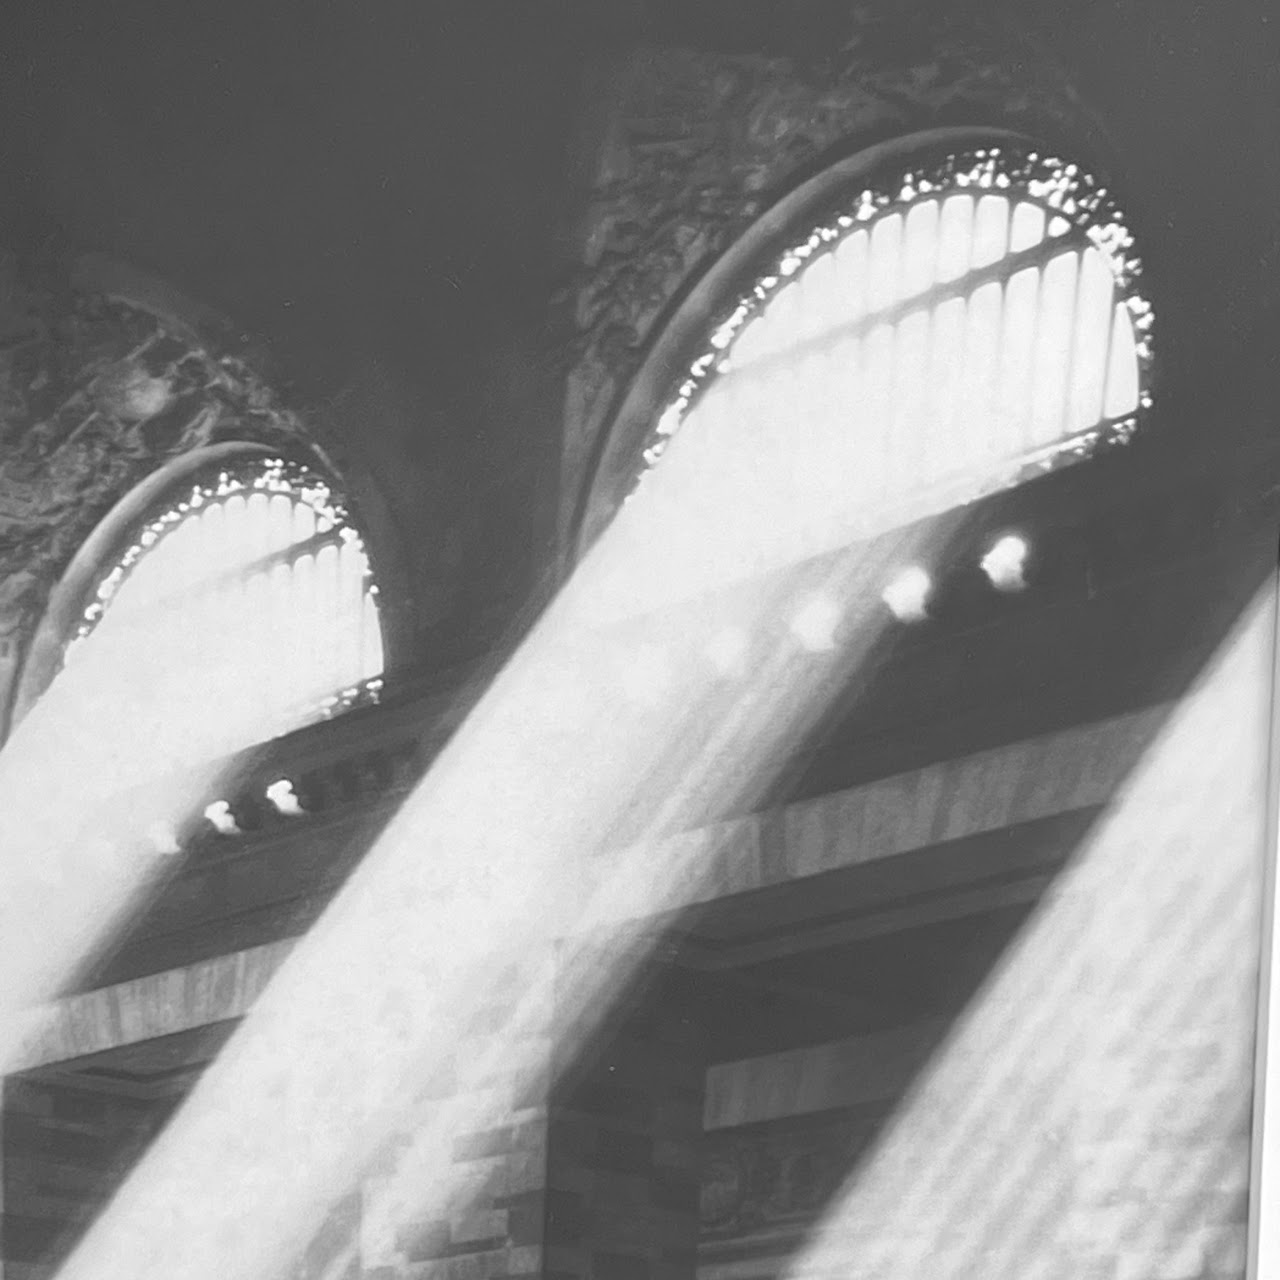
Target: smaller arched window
242,607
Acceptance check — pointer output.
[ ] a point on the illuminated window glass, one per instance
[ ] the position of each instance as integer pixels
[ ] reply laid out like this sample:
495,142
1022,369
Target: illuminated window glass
961,327
242,610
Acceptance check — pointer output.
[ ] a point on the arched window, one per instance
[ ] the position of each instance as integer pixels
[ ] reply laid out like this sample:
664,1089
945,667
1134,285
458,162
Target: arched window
242,607
943,331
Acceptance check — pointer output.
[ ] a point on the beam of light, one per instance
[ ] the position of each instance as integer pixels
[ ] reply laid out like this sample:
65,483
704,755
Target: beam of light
815,623
89,823
283,798
907,594
191,648
1005,564
545,820
1089,1114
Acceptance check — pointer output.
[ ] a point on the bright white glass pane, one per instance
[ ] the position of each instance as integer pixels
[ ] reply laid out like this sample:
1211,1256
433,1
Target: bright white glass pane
872,415
852,258
306,622
1021,300
848,426
955,237
908,418
235,540
328,676
1122,374
280,520
982,350
258,522
883,269
821,299
1027,228
990,231
1093,327
304,521
371,638
920,248
780,319
946,365
1056,320
210,538
350,600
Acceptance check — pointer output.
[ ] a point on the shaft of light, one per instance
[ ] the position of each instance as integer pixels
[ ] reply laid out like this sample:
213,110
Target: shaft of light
89,803
433,968
1089,1113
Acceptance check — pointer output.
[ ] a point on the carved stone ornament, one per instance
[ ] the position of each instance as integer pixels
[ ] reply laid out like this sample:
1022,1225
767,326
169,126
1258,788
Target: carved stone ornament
96,393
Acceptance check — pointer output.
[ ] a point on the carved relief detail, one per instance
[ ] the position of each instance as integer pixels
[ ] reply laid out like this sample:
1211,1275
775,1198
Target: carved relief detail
95,394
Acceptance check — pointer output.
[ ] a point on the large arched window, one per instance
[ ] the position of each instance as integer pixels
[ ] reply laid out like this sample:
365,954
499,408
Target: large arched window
927,332
240,608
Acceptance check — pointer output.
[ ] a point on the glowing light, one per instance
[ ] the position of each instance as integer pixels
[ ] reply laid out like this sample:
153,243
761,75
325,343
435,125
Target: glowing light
163,838
282,796
224,590
975,387
1005,564
727,651
908,594
538,823
1026,1145
224,821
815,623
539,830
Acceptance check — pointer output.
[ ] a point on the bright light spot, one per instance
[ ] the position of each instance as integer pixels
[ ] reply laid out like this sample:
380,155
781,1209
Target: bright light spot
1006,563
219,813
163,838
908,594
727,651
815,623
281,794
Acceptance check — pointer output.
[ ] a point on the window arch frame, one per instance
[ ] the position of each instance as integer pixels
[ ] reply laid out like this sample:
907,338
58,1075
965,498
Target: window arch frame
683,334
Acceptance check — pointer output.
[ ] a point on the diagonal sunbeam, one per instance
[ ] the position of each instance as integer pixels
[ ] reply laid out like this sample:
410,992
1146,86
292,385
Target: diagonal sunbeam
1089,1113
551,816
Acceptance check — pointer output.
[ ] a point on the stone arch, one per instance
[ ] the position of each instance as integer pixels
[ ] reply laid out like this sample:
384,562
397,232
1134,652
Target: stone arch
111,385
